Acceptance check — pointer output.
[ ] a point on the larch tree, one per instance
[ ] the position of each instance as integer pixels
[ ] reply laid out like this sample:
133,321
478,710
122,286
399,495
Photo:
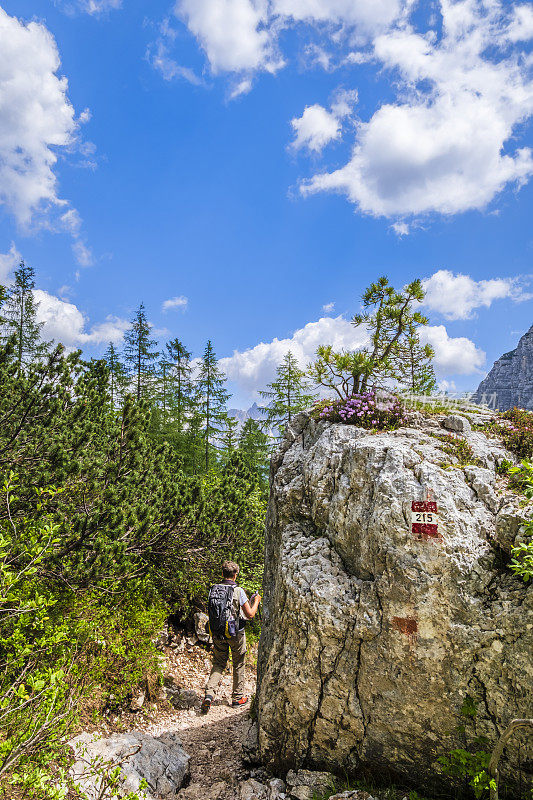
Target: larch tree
287,395
213,398
140,353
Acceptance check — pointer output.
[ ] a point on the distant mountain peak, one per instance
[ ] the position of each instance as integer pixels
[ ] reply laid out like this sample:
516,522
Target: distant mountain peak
510,381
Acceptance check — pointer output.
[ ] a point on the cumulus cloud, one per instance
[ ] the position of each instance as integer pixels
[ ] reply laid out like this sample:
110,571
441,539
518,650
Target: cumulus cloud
254,368
369,16
453,355
458,296
317,126
65,323
36,117
8,262
233,33
175,302
441,147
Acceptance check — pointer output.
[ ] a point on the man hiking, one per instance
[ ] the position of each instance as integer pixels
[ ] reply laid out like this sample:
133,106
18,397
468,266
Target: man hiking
229,608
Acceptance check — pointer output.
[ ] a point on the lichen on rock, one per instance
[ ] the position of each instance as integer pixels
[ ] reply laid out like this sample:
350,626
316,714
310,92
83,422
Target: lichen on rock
372,635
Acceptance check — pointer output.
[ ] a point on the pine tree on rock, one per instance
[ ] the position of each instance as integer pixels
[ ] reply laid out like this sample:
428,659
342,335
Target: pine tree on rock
20,311
118,377
140,353
213,398
414,367
287,395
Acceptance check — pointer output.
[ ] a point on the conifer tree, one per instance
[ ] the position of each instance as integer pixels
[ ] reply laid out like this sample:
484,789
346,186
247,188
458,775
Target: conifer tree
20,313
212,400
182,388
118,378
140,353
254,446
287,395
389,319
414,367
229,437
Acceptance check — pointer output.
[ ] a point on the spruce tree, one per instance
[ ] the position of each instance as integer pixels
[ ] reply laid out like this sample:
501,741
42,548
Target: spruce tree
287,395
118,378
20,311
414,364
213,398
140,353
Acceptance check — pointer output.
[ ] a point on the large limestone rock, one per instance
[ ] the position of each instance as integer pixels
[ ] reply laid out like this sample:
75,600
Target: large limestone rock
510,381
372,635
160,761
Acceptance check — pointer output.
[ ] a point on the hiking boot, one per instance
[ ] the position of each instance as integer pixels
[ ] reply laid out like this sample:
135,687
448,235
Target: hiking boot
206,705
240,702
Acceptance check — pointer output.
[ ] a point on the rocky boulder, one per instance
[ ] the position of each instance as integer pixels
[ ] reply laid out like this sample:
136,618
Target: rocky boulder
160,761
375,630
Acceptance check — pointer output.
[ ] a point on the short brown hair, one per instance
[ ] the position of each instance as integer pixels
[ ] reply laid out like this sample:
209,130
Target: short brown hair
230,569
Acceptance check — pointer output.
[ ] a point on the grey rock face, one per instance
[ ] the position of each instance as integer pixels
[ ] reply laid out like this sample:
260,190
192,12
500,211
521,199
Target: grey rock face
511,378
160,761
374,635
306,784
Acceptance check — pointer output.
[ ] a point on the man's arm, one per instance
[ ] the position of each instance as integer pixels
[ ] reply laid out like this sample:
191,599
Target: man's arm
250,609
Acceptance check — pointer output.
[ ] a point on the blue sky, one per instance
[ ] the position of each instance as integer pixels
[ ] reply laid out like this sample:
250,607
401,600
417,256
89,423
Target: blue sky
263,160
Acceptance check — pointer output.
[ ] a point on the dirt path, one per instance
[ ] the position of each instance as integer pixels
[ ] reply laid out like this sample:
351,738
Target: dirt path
212,740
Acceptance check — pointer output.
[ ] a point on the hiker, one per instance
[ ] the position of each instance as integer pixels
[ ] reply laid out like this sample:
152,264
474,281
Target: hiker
229,608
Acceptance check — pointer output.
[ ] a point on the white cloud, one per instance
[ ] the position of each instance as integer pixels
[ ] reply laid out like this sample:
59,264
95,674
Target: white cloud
254,368
93,7
368,15
65,323
400,228
158,55
457,296
233,33
82,253
8,262
36,117
453,355
175,302
317,127
521,27
328,308
442,146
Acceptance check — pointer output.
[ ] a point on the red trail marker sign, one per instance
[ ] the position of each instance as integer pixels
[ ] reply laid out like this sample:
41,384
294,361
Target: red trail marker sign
425,519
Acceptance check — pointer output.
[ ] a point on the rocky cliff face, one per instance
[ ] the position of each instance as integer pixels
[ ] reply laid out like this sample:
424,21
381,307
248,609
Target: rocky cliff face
511,378
373,635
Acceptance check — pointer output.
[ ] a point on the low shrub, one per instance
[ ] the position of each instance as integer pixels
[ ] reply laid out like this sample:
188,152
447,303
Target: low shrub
368,410
517,431
458,447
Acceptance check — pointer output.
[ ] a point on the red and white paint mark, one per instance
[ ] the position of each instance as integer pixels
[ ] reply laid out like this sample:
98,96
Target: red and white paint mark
425,519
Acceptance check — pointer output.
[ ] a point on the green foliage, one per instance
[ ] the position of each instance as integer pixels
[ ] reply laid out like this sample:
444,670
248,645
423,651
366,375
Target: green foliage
287,395
367,410
254,447
521,478
515,428
118,377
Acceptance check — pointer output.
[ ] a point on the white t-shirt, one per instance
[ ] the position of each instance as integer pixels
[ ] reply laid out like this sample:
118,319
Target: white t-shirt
242,596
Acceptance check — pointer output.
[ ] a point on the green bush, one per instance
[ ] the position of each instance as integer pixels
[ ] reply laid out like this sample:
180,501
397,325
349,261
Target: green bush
517,433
